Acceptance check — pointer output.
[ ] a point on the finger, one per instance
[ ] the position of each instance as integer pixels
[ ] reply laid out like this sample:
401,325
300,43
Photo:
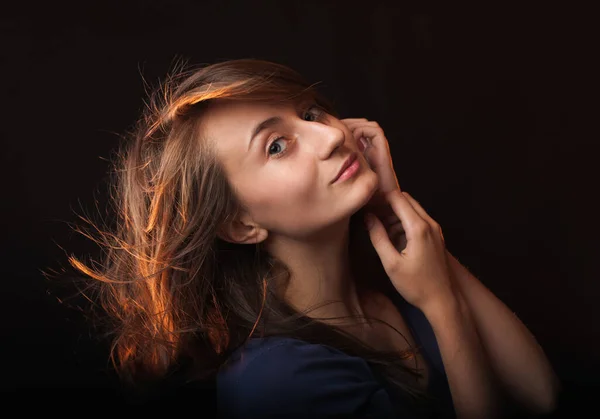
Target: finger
375,137
353,120
421,211
354,125
379,158
381,242
409,217
363,144
367,131
363,141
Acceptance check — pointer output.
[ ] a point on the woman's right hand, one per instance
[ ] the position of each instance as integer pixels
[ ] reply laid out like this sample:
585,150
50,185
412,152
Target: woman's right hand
419,271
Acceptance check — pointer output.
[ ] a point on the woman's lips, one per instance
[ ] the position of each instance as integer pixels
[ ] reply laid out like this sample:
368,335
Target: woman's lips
349,171
347,163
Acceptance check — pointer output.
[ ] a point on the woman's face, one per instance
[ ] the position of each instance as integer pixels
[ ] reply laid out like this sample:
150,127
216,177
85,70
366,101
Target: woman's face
283,174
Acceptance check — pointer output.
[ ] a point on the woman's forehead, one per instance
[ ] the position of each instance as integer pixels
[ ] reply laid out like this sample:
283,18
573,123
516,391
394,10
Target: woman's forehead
249,109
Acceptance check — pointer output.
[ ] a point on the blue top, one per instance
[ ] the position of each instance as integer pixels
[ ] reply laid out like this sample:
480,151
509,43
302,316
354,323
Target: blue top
281,377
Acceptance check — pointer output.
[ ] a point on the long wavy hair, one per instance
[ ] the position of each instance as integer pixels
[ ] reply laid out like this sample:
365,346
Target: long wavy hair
177,296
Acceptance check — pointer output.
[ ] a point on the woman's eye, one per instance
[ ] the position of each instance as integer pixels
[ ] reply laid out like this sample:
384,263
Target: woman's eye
271,146
317,112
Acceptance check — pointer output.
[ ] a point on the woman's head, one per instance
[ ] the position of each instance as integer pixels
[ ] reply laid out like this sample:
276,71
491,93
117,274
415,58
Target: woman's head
185,273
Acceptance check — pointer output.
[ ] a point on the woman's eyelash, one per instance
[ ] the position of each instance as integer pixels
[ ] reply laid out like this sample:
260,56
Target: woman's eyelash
318,114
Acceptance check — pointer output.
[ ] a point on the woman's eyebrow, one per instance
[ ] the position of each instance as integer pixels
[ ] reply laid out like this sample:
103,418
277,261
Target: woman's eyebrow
267,123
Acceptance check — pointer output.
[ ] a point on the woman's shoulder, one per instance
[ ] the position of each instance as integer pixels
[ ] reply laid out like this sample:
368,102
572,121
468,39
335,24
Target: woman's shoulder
294,378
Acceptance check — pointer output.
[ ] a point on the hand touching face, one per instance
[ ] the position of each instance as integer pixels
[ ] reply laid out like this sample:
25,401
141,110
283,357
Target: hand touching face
374,145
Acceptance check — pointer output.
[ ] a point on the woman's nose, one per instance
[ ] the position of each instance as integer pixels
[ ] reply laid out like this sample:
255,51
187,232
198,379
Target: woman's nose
334,135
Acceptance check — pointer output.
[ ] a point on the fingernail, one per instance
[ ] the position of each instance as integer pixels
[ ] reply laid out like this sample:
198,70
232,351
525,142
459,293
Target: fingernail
363,144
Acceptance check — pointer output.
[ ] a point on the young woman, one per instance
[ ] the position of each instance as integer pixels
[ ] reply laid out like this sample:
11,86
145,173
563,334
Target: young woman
240,254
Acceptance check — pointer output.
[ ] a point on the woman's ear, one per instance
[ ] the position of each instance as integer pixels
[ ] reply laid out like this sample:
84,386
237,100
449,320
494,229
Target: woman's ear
243,232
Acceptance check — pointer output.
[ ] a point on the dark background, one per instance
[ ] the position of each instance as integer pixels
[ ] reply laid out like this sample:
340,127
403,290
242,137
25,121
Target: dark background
489,113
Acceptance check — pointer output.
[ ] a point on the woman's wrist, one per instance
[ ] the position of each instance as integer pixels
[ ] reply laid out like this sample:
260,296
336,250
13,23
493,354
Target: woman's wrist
445,303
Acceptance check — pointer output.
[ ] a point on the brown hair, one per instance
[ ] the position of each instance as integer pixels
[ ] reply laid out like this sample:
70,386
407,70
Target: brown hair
179,297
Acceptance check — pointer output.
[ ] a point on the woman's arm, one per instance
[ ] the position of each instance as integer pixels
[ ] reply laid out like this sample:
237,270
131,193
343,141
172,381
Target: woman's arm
515,356
475,393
